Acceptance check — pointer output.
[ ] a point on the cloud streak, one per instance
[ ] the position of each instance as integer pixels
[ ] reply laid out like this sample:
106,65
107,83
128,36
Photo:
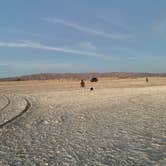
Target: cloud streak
88,30
35,65
49,48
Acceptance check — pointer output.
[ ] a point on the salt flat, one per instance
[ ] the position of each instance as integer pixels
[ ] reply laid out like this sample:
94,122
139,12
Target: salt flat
121,122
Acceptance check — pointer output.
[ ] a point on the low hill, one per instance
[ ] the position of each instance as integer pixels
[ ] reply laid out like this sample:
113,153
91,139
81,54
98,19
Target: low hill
78,76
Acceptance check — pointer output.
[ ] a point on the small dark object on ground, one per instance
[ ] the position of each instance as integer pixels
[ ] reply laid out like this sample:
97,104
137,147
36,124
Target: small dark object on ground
18,79
82,83
147,80
94,79
91,88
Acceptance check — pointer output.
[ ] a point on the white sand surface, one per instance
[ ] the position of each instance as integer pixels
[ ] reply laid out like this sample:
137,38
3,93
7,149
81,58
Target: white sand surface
121,122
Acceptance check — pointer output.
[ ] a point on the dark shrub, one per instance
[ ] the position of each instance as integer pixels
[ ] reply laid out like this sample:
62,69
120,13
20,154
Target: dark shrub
91,89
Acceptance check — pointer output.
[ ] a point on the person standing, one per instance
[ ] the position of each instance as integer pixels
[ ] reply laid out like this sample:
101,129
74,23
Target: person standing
82,83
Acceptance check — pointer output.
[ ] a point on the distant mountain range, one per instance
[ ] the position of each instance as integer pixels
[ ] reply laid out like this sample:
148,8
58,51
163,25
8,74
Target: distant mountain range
49,76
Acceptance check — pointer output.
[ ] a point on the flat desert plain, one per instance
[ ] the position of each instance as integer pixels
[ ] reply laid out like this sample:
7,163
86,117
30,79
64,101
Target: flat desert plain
121,122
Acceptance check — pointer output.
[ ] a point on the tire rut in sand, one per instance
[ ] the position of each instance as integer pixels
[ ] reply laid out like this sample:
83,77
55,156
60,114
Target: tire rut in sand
6,104
11,111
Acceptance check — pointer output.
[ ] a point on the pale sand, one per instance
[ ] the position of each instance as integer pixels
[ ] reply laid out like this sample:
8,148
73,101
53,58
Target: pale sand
121,122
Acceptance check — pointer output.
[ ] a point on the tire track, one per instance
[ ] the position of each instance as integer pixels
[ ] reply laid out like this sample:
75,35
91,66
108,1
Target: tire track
28,106
8,103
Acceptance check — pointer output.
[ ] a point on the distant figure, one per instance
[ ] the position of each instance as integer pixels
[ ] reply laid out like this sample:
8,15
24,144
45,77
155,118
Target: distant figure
82,83
18,79
147,80
91,89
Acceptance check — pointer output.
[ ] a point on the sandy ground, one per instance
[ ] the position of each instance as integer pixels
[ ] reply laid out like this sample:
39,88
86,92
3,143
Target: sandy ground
121,122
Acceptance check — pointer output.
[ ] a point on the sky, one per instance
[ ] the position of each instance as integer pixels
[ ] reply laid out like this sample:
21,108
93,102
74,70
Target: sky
82,36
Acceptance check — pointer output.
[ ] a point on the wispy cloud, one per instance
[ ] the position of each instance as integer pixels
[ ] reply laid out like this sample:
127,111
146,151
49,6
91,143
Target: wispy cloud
88,30
40,46
116,21
35,65
86,46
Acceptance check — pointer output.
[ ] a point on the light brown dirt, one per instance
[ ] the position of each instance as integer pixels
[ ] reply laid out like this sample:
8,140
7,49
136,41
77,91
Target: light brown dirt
121,122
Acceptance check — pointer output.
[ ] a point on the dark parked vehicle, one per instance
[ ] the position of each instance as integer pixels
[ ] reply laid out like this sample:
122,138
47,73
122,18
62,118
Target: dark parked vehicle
94,79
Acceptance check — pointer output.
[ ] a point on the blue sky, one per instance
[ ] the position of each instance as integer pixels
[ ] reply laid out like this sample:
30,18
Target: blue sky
82,36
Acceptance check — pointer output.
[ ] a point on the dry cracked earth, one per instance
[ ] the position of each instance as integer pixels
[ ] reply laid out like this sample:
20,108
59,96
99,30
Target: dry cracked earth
49,123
